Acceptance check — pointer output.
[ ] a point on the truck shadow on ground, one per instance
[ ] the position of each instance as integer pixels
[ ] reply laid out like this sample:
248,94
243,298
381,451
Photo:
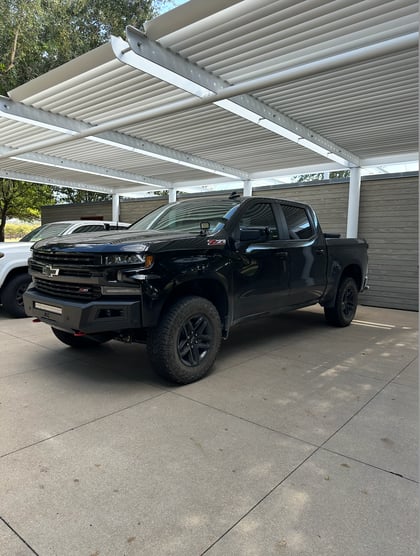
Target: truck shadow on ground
304,334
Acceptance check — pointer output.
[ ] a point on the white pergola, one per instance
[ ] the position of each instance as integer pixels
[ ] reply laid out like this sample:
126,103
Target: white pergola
227,91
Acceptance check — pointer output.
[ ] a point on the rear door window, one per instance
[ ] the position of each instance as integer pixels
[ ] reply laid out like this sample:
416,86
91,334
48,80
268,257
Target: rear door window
298,223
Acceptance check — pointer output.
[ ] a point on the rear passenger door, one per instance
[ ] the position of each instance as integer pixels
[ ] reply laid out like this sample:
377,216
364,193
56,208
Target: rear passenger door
307,254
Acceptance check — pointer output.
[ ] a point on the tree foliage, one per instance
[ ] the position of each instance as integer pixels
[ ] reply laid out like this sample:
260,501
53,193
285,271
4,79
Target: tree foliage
22,200
320,176
39,35
69,195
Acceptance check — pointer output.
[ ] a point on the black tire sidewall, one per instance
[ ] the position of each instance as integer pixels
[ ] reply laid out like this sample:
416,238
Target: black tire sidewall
9,295
347,283
163,340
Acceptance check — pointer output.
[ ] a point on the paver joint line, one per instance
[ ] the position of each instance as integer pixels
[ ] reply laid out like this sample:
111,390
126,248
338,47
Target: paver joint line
17,534
82,425
370,465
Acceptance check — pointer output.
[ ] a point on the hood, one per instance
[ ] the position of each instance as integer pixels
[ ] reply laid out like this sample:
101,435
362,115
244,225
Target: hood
15,246
127,241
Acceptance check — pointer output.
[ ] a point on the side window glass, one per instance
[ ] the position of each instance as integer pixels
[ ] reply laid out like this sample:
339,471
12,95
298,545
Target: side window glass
298,222
89,228
260,216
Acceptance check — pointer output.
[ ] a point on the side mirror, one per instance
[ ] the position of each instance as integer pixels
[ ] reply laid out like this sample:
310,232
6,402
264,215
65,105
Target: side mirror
253,234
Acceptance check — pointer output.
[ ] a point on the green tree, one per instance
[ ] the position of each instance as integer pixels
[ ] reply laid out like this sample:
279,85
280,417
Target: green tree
39,35
320,176
22,200
69,195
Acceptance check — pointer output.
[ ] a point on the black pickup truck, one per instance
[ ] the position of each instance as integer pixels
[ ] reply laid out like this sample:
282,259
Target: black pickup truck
182,276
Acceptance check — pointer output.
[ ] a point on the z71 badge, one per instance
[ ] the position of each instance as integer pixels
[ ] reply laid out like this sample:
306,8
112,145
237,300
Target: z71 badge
214,242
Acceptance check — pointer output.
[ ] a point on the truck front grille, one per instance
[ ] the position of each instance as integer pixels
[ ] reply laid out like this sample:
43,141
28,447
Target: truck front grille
87,292
73,271
63,258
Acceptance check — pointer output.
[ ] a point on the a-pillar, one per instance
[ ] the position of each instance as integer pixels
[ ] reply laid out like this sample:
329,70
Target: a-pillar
172,195
115,207
354,203
247,188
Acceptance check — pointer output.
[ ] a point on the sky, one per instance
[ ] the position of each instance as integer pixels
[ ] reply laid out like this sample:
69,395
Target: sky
170,4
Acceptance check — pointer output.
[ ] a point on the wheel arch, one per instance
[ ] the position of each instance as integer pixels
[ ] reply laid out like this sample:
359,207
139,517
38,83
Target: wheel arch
17,271
352,271
211,289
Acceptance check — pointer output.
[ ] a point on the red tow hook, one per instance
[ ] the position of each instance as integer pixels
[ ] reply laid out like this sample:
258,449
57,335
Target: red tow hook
78,334
36,320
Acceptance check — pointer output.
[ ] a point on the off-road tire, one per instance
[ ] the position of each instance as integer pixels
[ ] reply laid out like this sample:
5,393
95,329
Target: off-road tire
12,295
79,342
345,306
183,347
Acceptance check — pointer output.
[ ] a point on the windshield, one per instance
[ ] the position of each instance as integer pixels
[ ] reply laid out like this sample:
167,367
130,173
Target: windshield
187,215
48,230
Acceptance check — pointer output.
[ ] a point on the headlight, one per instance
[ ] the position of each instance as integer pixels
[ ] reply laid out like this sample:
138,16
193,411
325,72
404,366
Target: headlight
142,259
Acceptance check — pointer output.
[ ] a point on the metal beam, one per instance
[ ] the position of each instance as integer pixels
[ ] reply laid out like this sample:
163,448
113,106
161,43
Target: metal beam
152,58
85,168
75,129
354,203
303,70
115,207
248,188
391,159
172,196
45,180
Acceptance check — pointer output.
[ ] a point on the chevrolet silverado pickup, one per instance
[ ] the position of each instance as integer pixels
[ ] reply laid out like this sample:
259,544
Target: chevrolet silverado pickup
183,275
14,277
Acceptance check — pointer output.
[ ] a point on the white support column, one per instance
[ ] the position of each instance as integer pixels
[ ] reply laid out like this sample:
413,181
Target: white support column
115,207
354,203
247,188
172,195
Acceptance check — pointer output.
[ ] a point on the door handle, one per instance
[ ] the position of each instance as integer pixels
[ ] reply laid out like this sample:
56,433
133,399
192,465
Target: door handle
282,254
320,251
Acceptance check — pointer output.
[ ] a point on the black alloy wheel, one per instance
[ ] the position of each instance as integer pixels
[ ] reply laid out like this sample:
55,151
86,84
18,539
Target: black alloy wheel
194,340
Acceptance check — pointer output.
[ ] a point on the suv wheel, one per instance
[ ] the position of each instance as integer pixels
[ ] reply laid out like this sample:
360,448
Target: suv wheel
12,295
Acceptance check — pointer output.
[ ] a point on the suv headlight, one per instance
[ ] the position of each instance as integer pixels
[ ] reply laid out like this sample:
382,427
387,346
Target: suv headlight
142,259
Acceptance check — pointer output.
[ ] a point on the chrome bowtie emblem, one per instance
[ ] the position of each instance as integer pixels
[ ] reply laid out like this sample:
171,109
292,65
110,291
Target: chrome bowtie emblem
48,270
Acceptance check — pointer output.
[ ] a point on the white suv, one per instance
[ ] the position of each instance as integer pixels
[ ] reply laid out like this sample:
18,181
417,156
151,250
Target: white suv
14,277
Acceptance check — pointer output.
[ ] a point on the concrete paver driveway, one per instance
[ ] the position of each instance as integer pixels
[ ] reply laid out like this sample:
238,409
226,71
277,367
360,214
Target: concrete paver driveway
302,441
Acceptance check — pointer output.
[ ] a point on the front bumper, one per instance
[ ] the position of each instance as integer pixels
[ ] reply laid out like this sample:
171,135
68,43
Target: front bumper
88,317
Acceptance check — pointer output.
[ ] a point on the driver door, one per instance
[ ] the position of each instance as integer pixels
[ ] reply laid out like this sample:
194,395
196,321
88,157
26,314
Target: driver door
261,272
